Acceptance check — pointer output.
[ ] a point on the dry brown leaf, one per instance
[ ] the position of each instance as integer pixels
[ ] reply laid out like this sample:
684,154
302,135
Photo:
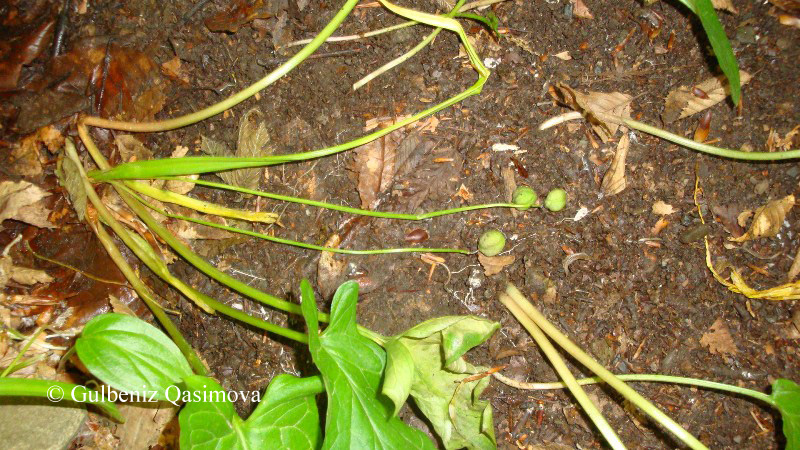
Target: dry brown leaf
662,209
375,165
682,102
25,153
726,5
21,275
463,193
795,269
253,142
579,9
777,143
602,110
719,340
173,69
23,201
493,265
743,217
792,6
564,56
614,180
768,219
131,149
330,269
144,423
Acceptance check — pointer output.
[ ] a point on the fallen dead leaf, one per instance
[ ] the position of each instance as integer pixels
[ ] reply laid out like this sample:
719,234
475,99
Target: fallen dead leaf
726,5
564,56
20,51
662,209
180,187
603,111
492,265
238,13
70,179
614,180
463,193
579,9
253,142
21,275
25,154
144,423
743,217
330,269
173,69
792,21
23,201
792,6
682,102
794,270
719,340
768,219
131,149
777,143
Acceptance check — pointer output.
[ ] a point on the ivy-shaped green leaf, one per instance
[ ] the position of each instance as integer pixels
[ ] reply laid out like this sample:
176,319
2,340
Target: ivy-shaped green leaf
286,418
131,355
352,367
426,362
786,395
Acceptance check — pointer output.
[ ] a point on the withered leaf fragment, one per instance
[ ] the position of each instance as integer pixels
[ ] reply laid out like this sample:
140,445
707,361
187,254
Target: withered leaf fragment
682,102
614,180
602,110
768,219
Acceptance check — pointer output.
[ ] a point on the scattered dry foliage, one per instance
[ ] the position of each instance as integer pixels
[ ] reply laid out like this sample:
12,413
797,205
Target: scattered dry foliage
685,101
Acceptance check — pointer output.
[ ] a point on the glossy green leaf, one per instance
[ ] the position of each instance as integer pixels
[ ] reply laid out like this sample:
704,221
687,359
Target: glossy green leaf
435,349
352,367
286,418
131,355
786,395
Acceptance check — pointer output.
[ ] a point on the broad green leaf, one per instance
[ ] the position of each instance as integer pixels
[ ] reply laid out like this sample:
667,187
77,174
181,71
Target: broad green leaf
352,367
435,349
286,418
719,43
131,355
786,395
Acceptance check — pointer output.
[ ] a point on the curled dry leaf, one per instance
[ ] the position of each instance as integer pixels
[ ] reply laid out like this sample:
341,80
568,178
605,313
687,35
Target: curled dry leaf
682,102
492,265
662,209
602,110
21,275
719,340
614,180
23,201
768,219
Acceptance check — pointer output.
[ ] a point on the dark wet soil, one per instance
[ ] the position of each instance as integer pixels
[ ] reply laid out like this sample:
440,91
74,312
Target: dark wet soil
639,302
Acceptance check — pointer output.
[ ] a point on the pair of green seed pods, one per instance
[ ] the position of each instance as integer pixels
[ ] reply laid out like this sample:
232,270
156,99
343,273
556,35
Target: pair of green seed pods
492,242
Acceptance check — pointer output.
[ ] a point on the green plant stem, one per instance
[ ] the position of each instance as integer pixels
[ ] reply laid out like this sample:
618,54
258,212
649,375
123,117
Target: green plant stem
346,209
710,149
149,299
291,242
240,96
649,378
22,351
563,371
26,387
147,255
167,196
581,356
149,169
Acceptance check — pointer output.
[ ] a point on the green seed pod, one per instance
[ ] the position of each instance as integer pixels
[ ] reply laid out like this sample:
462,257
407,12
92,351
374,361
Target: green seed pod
556,200
524,195
491,242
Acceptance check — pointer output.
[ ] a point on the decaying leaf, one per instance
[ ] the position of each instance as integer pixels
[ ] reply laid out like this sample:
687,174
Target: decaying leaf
603,111
25,154
795,269
253,142
662,209
131,149
21,275
173,69
684,101
777,143
238,13
400,153
70,179
330,269
719,340
614,180
493,265
579,9
22,50
23,201
726,5
768,219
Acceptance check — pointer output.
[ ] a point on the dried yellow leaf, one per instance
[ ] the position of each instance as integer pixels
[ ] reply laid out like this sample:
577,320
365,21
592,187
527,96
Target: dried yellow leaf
614,180
768,219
